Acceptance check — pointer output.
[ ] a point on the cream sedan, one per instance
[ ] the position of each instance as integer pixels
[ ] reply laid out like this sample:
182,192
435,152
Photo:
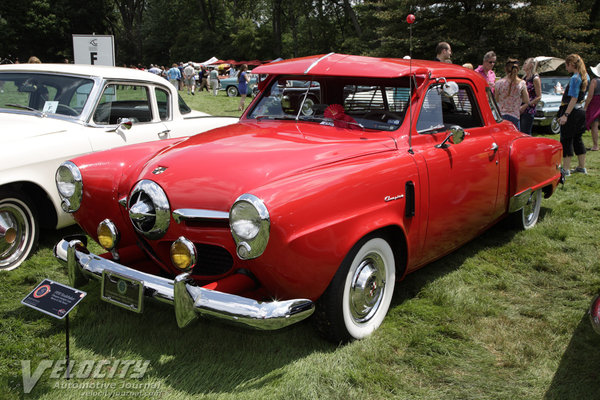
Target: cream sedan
53,112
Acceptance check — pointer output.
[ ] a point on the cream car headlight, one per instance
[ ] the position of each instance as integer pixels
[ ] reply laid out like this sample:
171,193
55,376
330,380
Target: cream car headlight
250,226
540,104
69,185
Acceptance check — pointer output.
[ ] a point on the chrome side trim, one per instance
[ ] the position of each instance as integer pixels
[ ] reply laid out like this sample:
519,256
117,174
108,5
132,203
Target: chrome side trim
187,299
191,214
519,201
316,62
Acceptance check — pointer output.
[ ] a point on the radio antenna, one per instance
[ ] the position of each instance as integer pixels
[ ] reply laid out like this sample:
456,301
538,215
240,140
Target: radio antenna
410,18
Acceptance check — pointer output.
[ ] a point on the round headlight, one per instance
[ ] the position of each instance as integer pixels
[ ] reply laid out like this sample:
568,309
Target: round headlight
108,235
69,185
183,254
245,221
250,225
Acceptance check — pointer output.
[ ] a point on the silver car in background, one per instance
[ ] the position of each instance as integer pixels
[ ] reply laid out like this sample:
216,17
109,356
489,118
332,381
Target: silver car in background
552,91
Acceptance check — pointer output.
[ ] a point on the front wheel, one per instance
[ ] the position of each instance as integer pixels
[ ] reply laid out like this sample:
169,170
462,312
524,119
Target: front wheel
554,126
19,229
359,296
232,91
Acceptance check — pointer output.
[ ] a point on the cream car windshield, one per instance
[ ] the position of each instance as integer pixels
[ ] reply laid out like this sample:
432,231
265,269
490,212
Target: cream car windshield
44,93
342,102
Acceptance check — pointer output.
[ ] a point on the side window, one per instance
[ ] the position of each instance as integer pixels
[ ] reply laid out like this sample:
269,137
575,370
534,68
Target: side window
430,117
183,108
120,101
493,105
461,108
442,110
162,99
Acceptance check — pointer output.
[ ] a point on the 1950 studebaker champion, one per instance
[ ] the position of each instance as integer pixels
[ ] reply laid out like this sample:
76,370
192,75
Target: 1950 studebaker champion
289,213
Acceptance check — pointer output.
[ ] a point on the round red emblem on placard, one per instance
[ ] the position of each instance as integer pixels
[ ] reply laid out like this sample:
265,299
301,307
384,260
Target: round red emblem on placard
41,291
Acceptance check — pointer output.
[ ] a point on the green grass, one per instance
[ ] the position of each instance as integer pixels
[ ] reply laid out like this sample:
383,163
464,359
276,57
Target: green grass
503,317
220,105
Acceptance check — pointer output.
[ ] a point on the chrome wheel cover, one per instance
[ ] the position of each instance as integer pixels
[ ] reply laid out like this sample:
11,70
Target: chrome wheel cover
15,233
367,288
531,211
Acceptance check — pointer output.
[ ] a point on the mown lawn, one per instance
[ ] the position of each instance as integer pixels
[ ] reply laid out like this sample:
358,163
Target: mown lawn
503,317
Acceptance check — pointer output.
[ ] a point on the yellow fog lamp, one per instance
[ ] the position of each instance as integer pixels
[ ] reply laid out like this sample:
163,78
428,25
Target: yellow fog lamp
183,254
108,235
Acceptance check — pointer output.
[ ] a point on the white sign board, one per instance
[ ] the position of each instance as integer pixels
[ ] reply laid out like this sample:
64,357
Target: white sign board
94,49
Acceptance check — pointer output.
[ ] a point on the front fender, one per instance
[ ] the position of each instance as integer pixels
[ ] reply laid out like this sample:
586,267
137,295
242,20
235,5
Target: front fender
317,217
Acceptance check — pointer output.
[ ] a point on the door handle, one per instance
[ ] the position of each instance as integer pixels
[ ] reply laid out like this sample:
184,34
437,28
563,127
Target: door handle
164,133
494,148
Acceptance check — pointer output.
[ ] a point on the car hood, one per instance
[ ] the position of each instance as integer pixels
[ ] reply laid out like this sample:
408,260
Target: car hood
212,169
17,127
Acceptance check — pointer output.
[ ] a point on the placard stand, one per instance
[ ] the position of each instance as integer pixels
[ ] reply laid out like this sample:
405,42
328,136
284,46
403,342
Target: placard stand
56,300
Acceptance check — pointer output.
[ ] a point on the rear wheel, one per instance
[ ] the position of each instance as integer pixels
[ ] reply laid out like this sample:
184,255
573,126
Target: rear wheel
527,217
359,296
19,229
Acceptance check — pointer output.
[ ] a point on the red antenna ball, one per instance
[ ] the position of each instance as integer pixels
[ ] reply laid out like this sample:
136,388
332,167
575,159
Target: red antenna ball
410,18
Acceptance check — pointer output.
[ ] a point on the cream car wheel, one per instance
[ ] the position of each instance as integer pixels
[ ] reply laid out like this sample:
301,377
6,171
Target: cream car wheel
19,230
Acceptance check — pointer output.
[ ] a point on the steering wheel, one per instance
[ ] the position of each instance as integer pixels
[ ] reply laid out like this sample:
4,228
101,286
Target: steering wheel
66,110
381,115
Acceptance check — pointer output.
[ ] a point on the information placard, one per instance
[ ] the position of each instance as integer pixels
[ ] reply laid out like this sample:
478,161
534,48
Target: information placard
53,298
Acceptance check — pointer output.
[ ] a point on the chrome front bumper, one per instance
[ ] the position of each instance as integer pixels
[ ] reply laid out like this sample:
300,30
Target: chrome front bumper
189,300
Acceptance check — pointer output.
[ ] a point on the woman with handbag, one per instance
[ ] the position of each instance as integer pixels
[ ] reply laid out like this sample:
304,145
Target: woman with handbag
572,115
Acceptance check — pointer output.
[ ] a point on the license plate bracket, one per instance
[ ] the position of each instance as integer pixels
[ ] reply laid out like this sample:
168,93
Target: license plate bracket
122,291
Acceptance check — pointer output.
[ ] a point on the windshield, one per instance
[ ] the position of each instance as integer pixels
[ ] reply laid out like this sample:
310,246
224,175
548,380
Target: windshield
51,94
554,84
336,101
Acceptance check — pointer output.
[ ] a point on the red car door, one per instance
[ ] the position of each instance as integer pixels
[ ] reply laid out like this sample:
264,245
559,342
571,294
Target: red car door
461,179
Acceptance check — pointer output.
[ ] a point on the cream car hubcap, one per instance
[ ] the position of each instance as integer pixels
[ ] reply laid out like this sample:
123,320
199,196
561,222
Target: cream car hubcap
13,235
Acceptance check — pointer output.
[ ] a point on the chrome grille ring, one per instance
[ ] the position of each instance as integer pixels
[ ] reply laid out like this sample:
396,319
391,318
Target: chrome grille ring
149,209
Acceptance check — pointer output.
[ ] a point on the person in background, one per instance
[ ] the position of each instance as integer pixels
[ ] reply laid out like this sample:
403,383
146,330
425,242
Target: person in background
214,80
510,92
571,115
592,107
243,80
173,75
486,69
533,84
34,60
468,65
443,52
203,75
188,77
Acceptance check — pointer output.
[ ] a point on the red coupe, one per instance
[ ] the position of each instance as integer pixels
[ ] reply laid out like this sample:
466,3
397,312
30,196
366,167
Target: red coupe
292,212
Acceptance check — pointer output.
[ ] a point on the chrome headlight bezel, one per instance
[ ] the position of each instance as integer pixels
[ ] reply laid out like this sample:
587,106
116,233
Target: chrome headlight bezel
69,184
149,209
250,226
113,233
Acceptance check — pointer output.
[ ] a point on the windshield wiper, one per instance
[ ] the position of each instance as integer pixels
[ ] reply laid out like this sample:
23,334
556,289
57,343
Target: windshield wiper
22,107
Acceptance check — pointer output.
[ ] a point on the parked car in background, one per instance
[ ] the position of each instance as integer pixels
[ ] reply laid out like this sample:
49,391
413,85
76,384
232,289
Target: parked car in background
230,86
49,113
547,107
287,214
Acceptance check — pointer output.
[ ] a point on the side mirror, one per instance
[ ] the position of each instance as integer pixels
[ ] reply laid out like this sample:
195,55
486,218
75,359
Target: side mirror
456,133
123,124
450,88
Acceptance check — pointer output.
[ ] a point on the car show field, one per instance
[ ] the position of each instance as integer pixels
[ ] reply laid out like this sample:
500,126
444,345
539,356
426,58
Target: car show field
503,316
